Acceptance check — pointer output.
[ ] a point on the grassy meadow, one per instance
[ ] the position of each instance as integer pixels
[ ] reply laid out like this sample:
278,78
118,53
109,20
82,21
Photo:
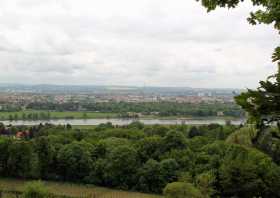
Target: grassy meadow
74,190
88,115
59,114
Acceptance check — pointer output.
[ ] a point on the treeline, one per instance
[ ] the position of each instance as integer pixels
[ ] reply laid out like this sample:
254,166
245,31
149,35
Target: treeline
10,108
143,158
66,106
29,116
147,108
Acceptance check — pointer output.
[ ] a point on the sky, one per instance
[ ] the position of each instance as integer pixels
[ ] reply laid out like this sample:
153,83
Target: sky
132,42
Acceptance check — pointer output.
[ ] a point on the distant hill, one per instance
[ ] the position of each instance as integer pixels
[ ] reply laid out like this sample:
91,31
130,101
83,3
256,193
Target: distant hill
95,89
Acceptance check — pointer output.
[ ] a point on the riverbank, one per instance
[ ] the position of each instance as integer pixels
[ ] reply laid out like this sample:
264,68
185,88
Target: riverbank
121,122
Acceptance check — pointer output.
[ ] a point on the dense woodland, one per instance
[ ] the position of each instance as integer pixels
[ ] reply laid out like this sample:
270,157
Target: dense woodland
205,161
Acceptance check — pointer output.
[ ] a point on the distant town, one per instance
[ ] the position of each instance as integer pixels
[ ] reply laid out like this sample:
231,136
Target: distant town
25,94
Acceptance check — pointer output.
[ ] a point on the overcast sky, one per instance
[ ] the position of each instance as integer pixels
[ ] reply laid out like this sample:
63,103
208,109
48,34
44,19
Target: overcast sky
132,42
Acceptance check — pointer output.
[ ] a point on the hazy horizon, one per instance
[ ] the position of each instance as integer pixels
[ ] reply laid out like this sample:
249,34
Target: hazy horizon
140,43
112,85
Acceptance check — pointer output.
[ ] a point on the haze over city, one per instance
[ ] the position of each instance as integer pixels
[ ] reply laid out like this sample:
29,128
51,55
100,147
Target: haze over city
142,43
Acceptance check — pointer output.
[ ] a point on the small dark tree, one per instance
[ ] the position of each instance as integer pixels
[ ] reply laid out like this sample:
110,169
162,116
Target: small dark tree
194,132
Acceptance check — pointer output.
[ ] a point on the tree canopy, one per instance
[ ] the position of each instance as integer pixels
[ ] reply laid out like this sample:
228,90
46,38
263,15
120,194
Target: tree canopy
269,13
215,162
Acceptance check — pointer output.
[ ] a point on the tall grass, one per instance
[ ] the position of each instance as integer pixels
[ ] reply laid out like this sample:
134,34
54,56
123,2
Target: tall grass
70,190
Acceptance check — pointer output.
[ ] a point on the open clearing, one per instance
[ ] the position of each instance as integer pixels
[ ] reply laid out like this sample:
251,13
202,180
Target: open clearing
75,190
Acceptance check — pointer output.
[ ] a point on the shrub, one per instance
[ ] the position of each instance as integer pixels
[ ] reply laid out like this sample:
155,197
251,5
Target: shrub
242,136
181,190
35,190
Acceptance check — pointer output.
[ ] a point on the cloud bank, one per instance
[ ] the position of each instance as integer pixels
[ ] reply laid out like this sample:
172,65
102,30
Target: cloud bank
147,42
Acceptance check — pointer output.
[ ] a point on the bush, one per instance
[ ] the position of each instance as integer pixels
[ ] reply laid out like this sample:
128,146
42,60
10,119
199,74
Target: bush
35,190
242,136
181,190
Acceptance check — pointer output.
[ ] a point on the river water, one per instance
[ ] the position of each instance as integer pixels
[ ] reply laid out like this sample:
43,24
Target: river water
123,121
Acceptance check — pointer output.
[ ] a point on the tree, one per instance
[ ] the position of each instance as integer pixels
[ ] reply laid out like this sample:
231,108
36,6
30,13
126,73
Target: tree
174,140
150,178
182,190
75,161
194,132
121,167
16,116
85,116
11,118
263,104
4,145
23,116
248,173
68,126
150,148
46,154
205,182
154,176
20,160
184,157
168,169
268,14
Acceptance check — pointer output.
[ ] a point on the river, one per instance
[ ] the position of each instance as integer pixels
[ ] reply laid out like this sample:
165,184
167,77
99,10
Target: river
123,121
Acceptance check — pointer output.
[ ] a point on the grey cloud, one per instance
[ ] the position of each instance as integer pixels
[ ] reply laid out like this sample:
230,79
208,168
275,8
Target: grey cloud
132,42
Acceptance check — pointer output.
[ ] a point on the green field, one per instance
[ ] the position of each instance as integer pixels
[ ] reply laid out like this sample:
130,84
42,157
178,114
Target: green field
74,190
59,115
86,115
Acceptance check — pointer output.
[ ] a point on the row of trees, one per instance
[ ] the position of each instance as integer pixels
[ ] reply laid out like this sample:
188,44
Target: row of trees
9,108
30,116
158,108
144,158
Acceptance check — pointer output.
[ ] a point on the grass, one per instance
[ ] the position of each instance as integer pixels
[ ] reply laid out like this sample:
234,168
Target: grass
75,190
93,115
59,115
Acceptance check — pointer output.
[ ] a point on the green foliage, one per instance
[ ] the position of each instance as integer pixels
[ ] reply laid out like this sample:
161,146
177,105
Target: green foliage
150,148
241,170
267,15
206,183
262,104
269,142
121,164
35,190
19,162
243,136
174,140
150,177
46,155
4,145
74,160
124,109
145,159
182,190
184,157
194,132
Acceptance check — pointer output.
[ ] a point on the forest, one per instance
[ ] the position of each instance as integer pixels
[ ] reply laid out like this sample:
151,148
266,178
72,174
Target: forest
205,161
